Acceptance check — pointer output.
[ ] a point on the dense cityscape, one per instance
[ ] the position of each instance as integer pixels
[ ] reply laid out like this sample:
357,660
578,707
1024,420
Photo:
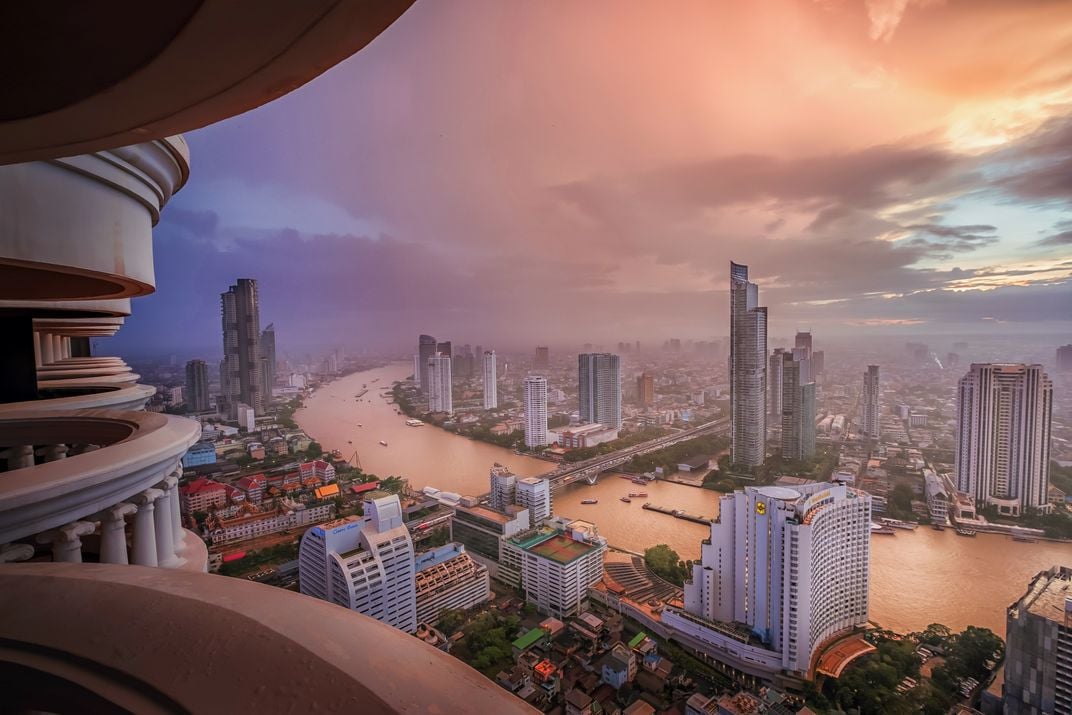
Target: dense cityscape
728,483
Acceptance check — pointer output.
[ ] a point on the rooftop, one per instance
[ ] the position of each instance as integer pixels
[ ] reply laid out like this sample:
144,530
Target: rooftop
560,548
1047,595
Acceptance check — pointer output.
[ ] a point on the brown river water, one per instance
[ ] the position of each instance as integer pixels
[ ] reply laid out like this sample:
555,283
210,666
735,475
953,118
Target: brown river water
917,578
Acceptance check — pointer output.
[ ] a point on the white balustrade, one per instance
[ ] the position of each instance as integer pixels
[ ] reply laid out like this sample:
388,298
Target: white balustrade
66,542
145,553
113,525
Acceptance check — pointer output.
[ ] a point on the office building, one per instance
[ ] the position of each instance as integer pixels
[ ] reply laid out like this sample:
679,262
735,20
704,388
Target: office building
445,348
774,383
1064,358
785,571
1002,458
599,388
417,370
503,487
491,381
1038,637
543,358
426,350
748,370
481,528
582,436
803,343
645,389
818,363
363,563
554,565
240,379
447,577
197,386
535,388
870,424
268,362
534,494
798,408
439,392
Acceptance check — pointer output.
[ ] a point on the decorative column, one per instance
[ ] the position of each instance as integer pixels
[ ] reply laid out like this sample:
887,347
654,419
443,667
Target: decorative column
15,552
45,348
19,456
176,514
52,452
57,348
113,528
165,532
66,544
66,341
145,528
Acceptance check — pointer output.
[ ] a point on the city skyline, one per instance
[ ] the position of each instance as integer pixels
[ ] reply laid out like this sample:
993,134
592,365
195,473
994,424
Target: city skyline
935,206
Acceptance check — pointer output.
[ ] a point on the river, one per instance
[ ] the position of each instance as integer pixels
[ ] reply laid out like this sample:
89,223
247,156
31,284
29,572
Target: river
917,578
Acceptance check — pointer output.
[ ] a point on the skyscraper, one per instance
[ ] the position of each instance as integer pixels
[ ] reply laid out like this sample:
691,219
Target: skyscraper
869,403
440,395
445,348
426,348
363,563
646,389
748,370
798,408
1003,436
599,388
241,381
818,363
792,565
543,358
774,383
1064,358
535,411
534,494
268,362
197,386
491,381
803,341
1038,674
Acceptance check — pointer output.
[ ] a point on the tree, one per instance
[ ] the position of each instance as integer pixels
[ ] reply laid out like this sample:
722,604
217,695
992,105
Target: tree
315,451
666,564
451,619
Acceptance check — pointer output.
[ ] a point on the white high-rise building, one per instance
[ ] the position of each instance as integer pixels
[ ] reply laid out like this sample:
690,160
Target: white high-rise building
748,370
363,563
417,369
491,381
503,487
440,397
534,494
599,389
1003,436
785,570
535,411
869,403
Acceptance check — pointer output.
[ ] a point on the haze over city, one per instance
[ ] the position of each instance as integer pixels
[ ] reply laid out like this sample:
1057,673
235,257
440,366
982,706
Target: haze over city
896,167
704,357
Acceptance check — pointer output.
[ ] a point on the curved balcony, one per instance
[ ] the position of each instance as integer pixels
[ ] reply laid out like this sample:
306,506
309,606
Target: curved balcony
80,228
150,71
93,474
103,638
84,394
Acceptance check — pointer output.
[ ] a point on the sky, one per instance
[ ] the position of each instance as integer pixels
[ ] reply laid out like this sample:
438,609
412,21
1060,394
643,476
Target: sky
542,172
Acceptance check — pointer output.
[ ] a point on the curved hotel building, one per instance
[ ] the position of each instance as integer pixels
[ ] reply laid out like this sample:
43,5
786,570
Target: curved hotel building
785,571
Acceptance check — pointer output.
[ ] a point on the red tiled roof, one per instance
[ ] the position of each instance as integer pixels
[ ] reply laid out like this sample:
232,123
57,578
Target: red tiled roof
200,485
359,488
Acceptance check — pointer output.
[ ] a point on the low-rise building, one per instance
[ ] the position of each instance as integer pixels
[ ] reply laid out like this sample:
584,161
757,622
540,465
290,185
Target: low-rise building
199,454
248,522
938,499
201,495
619,666
581,436
253,486
319,468
447,577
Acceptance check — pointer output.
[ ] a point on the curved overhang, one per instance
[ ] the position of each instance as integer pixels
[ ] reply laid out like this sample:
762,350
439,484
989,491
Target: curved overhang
136,451
117,308
151,70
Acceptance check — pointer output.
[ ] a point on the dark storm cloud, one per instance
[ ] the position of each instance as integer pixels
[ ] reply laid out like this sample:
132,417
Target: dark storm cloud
1040,167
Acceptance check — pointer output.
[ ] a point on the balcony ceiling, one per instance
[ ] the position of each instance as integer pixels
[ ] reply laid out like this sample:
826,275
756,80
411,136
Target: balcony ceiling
93,76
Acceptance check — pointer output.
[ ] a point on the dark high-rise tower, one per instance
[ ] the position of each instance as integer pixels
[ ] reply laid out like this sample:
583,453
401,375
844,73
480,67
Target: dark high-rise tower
197,386
242,381
869,403
748,370
803,342
543,358
798,408
268,363
426,348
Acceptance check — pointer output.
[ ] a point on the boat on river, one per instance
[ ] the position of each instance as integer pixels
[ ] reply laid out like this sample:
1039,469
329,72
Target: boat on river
966,532
638,494
589,501
382,442
627,500
898,524
882,529
414,423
